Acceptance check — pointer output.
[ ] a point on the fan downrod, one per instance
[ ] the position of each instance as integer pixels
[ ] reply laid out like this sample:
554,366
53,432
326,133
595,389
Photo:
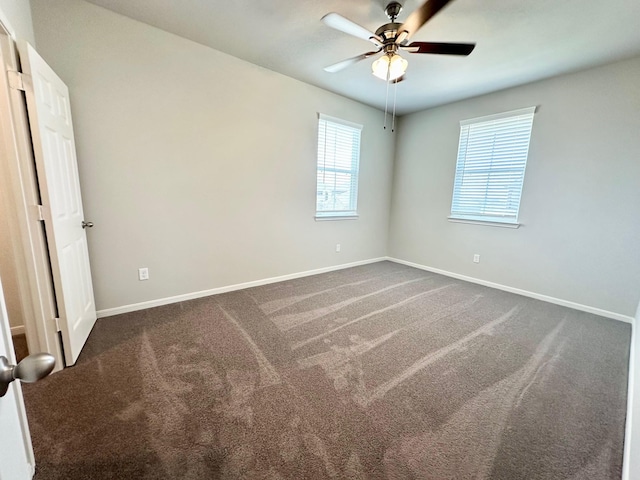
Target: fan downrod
393,10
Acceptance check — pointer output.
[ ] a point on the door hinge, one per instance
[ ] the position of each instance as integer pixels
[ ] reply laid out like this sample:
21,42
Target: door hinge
15,80
40,212
57,320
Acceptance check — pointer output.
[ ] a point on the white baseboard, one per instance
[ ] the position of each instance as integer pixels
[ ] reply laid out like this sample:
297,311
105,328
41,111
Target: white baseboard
630,460
526,293
230,288
17,330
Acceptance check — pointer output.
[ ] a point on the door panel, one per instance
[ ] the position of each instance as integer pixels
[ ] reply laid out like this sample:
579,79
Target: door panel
16,453
56,163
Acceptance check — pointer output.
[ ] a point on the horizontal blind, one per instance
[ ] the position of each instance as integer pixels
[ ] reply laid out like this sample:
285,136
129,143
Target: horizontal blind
492,156
337,167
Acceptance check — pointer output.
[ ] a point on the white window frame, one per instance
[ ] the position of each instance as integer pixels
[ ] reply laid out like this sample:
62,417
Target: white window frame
349,135
492,159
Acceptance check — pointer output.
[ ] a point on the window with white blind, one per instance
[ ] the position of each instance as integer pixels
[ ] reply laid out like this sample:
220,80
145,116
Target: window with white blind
337,172
492,156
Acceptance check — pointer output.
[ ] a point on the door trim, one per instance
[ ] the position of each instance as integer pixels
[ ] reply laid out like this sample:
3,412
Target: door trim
21,194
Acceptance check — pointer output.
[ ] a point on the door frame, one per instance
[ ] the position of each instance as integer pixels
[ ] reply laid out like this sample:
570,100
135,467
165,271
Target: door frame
22,197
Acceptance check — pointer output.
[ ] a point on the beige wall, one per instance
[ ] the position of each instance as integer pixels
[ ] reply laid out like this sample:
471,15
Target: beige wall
198,165
9,274
16,15
8,268
580,207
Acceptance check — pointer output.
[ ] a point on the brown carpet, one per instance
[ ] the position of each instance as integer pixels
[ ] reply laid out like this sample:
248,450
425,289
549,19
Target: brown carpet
20,346
379,371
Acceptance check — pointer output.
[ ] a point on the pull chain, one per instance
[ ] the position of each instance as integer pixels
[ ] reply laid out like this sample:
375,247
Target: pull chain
395,95
386,103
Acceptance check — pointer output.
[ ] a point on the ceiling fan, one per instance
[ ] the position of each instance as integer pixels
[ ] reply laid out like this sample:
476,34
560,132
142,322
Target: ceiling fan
394,37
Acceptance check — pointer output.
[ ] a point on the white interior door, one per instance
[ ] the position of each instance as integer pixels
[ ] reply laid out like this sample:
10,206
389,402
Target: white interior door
16,453
56,163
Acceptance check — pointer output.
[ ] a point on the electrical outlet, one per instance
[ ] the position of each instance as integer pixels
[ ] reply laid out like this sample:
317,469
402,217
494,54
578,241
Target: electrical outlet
337,248
143,273
476,258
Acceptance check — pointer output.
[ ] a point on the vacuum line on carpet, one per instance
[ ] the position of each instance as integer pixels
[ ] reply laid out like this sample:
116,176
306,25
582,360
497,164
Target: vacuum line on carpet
268,373
288,322
364,317
274,306
508,402
427,360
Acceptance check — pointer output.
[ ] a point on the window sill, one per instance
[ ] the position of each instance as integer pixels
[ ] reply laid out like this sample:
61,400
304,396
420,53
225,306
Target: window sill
484,222
323,218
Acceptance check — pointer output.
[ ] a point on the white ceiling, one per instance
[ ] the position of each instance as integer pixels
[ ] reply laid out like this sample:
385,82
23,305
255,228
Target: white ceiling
517,41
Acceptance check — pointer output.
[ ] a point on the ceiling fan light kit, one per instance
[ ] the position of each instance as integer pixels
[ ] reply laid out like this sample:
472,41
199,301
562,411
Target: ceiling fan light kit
389,67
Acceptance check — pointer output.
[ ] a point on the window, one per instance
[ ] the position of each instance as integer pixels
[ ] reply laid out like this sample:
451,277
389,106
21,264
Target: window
492,156
337,172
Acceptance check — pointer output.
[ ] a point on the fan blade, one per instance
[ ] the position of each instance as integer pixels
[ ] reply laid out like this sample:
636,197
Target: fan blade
337,21
440,48
420,16
336,67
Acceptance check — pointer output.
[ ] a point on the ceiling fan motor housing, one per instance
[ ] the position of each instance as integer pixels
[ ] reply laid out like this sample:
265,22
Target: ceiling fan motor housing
388,32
